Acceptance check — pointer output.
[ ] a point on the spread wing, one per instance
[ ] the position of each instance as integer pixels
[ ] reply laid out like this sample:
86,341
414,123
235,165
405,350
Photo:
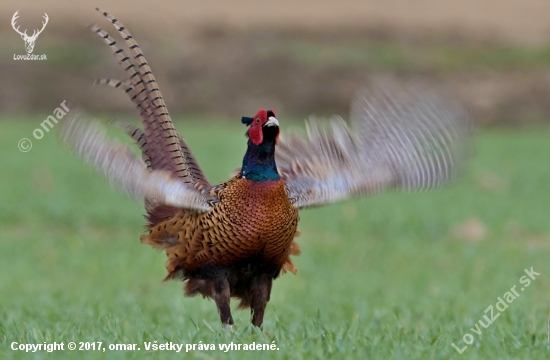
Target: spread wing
161,145
121,166
409,139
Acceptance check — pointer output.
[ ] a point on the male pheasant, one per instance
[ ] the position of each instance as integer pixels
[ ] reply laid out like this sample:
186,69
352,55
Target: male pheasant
233,239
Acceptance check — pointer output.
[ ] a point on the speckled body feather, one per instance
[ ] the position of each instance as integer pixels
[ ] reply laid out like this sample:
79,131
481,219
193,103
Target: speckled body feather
251,220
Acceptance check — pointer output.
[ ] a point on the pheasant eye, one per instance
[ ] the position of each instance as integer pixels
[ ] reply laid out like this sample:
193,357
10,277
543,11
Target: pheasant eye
257,120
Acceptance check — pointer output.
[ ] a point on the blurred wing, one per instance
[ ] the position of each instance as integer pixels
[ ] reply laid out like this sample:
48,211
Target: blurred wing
119,165
400,139
165,148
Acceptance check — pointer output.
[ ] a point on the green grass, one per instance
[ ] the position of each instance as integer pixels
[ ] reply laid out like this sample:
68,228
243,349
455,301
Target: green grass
395,56
339,52
380,277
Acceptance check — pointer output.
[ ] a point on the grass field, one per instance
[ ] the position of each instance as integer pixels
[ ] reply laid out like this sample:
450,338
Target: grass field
393,276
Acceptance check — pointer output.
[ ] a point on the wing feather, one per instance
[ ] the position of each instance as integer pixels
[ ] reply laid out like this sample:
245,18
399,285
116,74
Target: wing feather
411,139
119,165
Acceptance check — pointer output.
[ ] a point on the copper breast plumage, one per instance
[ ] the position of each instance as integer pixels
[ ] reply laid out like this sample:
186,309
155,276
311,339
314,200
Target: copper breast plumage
251,219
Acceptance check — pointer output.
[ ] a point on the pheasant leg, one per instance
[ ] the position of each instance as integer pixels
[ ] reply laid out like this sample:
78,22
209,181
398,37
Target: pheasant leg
260,288
222,297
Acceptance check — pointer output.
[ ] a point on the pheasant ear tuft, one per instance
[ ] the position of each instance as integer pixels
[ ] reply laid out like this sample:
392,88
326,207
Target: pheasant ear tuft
247,120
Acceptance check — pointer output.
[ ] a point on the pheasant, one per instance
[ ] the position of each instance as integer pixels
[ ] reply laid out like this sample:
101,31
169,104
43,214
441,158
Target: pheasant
233,239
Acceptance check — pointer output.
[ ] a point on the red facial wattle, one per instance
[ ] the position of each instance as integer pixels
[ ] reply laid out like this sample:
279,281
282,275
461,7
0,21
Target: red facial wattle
255,133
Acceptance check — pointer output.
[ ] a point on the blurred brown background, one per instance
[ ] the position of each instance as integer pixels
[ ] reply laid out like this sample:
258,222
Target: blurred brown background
301,57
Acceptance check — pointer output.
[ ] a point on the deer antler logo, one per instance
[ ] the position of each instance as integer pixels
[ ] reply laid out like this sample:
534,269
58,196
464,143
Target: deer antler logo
29,40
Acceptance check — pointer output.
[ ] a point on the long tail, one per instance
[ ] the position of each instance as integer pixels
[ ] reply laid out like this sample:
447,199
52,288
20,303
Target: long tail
164,148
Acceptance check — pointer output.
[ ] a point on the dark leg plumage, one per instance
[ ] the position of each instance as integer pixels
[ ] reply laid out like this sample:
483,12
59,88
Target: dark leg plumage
222,297
250,282
260,291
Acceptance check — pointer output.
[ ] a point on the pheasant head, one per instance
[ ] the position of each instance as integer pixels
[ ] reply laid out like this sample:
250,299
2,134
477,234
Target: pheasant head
264,122
263,135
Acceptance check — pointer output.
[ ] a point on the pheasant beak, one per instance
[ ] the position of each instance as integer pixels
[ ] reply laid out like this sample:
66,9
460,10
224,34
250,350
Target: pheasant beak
272,122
